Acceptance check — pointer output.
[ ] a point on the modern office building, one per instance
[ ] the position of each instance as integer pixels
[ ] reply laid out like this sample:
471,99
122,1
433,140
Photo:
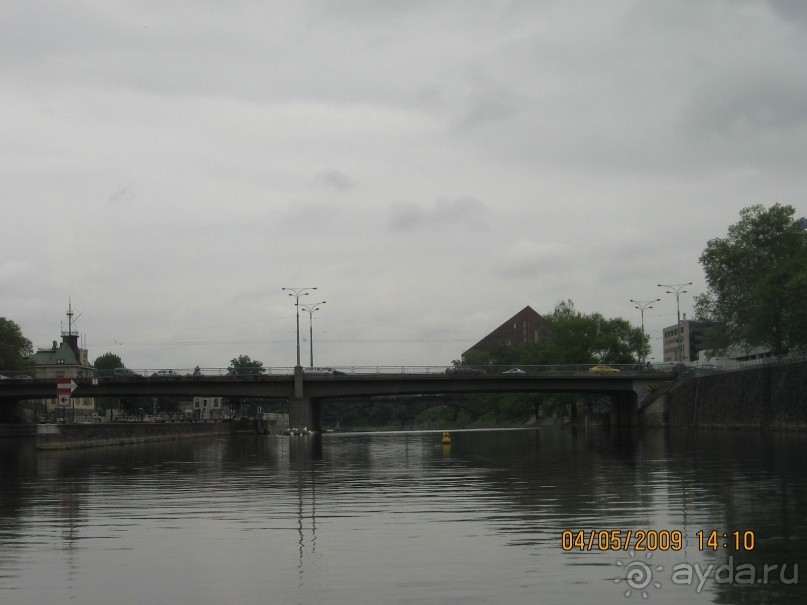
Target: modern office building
682,342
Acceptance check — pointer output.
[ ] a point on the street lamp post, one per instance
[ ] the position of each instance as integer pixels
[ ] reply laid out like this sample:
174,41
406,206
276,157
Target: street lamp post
311,309
677,290
297,293
642,305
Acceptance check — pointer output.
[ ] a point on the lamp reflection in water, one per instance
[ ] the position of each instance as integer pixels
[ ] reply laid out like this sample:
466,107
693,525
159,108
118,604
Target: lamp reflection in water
305,452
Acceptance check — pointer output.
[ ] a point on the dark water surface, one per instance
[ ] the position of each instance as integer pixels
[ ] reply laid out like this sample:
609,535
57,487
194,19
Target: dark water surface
388,518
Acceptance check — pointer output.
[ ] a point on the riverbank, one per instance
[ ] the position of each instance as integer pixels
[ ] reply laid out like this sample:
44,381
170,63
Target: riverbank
769,397
70,436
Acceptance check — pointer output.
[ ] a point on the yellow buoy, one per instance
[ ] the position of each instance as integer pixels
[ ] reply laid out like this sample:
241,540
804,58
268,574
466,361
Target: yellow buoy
446,438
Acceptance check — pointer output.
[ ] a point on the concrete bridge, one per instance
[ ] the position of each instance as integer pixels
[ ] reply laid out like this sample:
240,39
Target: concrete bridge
306,391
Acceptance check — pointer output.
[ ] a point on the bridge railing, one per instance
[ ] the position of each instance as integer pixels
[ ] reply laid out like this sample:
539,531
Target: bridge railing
186,372
694,367
288,371
392,369
179,373
721,366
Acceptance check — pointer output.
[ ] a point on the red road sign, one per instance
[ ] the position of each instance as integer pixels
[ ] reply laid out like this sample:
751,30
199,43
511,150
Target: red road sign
65,385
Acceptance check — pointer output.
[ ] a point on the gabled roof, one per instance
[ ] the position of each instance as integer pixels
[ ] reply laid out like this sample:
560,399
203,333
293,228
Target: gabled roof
506,332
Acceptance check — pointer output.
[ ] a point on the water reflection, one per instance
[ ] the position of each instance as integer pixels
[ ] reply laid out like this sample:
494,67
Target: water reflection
305,451
393,518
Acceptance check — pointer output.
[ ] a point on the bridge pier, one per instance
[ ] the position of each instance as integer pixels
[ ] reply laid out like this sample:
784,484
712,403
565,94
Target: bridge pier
300,413
624,409
304,412
11,411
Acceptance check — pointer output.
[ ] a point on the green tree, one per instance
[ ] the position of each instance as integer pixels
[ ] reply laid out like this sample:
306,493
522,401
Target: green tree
108,361
757,282
244,365
577,338
572,338
15,349
105,365
240,366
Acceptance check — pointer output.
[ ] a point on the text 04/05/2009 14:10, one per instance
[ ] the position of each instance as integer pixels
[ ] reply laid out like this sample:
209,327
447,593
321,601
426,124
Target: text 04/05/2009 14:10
654,540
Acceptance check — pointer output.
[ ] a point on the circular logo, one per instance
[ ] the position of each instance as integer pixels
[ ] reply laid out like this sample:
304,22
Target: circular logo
638,575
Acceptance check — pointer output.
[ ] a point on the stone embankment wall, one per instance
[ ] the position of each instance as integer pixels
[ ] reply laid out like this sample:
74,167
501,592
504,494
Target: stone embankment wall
770,396
66,436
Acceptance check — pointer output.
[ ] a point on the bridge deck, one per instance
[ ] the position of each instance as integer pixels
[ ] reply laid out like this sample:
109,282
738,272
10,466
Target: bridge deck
329,385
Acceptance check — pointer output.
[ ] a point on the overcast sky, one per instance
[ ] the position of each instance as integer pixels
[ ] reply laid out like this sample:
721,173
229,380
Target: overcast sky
431,166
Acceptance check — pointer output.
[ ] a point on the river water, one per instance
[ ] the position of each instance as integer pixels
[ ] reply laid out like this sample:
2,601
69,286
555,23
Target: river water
397,518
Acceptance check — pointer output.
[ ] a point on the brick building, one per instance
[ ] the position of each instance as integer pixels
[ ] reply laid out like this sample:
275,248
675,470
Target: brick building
525,326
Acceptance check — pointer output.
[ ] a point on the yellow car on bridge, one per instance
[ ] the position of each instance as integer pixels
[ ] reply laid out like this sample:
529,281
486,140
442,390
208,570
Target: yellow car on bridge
604,370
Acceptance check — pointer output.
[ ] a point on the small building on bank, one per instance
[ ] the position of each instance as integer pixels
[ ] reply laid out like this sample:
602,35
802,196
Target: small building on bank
65,359
210,408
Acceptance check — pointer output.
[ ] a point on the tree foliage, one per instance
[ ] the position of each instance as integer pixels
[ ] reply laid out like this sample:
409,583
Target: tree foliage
244,365
576,338
571,338
15,349
757,282
108,361
106,364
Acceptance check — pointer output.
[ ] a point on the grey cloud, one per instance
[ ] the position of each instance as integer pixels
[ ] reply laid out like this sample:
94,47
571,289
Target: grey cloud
529,258
123,195
454,211
266,141
750,102
487,101
11,269
336,180
406,216
304,217
790,9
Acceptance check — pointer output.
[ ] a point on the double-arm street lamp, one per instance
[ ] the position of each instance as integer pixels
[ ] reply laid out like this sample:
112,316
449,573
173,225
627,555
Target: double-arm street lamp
297,293
642,305
311,309
677,289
